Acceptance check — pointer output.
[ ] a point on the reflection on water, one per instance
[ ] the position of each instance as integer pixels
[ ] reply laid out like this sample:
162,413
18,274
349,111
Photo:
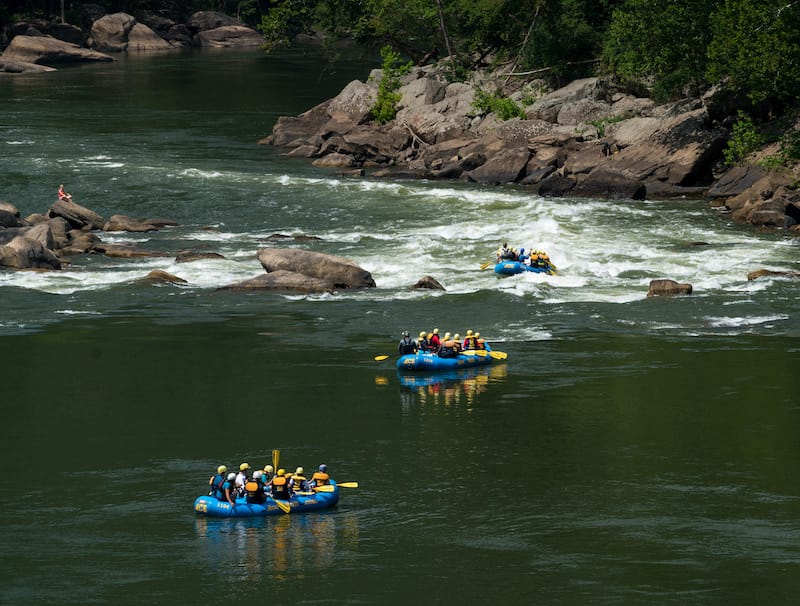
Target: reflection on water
248,549
449,388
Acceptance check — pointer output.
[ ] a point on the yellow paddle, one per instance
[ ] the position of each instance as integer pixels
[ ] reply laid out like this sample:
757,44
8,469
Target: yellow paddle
482,353
330,487
276,455
487,264
380,358
498,355
284,505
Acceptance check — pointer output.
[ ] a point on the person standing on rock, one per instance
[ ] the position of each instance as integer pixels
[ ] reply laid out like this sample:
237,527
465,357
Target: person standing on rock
62,195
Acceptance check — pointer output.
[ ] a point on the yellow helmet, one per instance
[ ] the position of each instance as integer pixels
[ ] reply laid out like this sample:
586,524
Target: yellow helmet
469,332
269,469
477,334
281,472
457,337
298,471
222,469
422,335
244,466
436,331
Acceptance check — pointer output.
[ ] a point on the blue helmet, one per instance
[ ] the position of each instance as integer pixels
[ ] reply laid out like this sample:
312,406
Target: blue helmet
323,467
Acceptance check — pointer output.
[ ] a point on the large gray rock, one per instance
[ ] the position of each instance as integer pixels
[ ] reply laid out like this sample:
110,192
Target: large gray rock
25,253
283,281
230,36
125,223
76,215
121,32
44,50
205,20
338,272
354,103
607,183
668,288
12,66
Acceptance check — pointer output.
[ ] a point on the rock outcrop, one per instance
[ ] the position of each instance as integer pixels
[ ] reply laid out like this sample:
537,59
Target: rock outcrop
336,272
48,51
590,138
668,288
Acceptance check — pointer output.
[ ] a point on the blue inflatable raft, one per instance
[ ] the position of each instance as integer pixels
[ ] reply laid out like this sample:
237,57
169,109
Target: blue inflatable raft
432,362
510,268
212,507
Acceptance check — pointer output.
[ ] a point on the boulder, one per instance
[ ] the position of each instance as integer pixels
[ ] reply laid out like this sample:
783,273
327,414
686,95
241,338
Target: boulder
125,223
608,183
666,288
283,281
768,273
44,50
294,131
507,167
122,251
229,36
25,253
353,105
335,160
338,272
428,282
76,215
205,20
80,243
8,219
11,66
555,185
158,276
121,32
188,256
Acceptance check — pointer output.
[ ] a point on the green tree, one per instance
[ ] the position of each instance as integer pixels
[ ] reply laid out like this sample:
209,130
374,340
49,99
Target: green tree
755,48
661,42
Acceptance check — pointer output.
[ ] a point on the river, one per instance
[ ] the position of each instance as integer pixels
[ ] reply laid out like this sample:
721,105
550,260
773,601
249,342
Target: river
632,450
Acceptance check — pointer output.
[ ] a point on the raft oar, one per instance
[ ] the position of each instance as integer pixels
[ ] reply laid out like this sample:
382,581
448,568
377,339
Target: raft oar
482,353
276,455
498,355
284,505
485,265
331,488
380,358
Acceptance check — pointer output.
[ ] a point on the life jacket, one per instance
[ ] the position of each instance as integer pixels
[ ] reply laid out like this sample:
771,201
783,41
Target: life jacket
435,342
407,346
470,343
448,349
280,488
424,345
255,491
216,483
298,483
320,478
481,344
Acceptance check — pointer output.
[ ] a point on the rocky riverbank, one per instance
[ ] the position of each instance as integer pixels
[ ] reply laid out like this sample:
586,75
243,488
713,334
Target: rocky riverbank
37,46
590,138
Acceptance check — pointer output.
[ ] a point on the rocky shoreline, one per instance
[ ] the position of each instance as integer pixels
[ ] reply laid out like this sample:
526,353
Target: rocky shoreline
590,138
38,46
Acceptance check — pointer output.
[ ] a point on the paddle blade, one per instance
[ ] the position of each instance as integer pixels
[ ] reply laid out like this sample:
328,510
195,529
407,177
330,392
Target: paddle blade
498,355
348,484
481,353
276,456
485,265
380,358
325,488
285,507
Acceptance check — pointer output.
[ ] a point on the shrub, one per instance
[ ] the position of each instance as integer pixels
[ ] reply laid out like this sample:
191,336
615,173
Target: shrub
503,107
744,140
385,108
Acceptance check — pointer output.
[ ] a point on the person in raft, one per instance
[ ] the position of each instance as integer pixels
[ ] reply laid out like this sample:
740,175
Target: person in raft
62,195
229,489
280,486
422,343
434,340
471,340
407,345
242,478
298,483
216,481
448,348
254,488
320,477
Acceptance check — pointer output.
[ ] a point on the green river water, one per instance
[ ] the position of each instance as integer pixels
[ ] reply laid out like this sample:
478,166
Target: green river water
630,451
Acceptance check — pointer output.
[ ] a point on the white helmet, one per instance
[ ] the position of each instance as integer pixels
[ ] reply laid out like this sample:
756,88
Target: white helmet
231,477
